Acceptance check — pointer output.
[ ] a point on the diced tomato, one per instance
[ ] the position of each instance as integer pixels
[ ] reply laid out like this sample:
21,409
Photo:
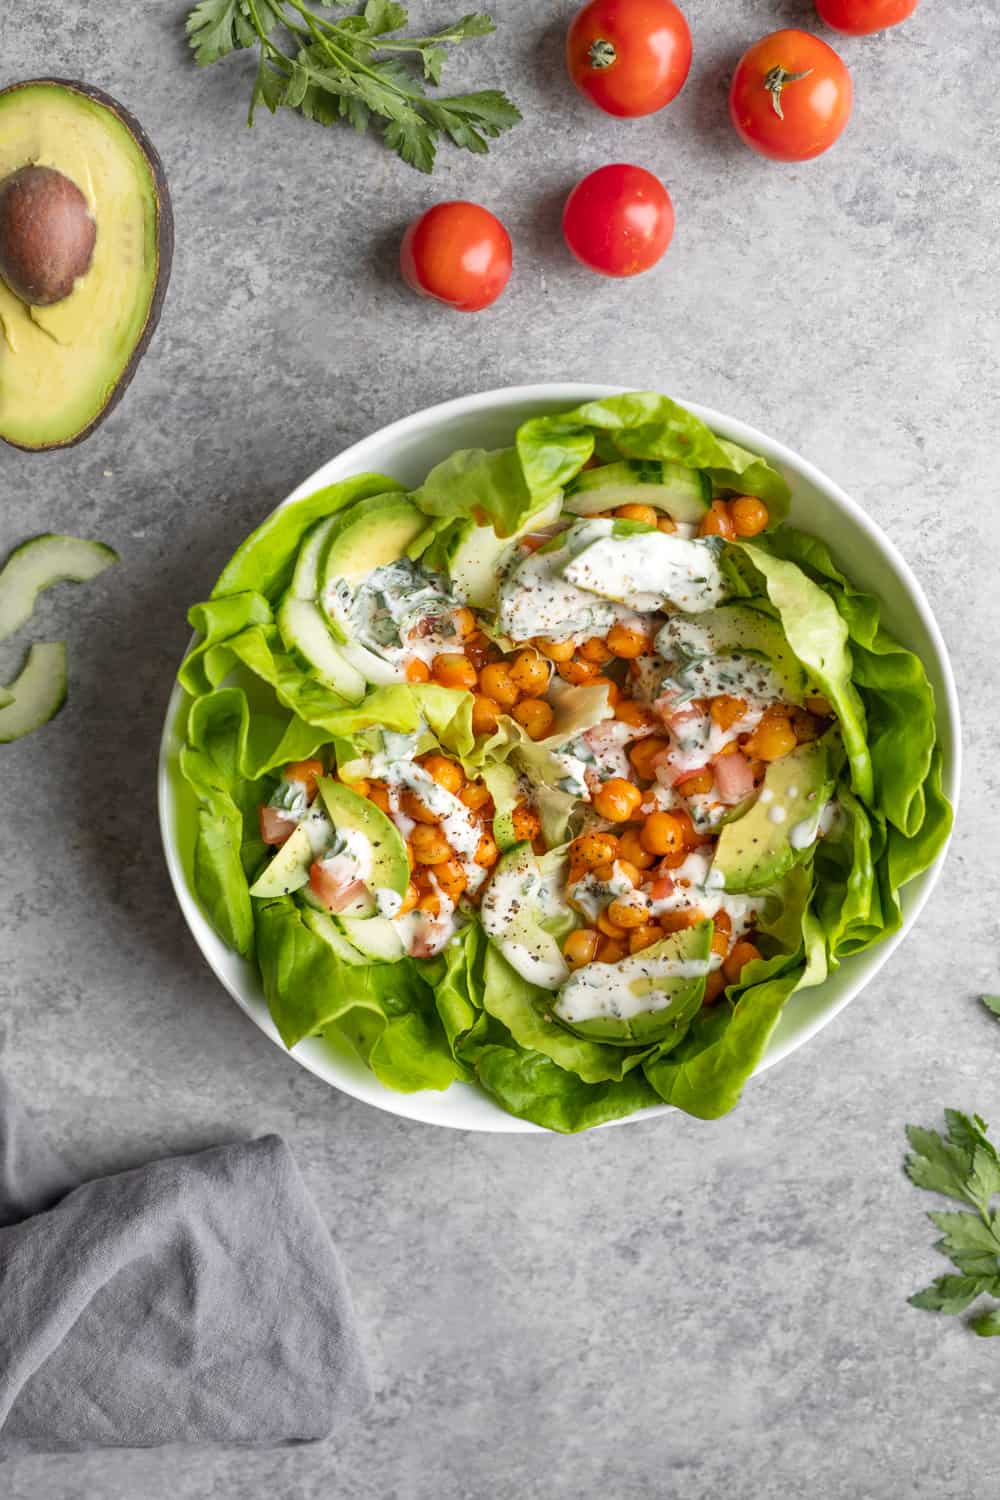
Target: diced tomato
430,937
333,881
662,886
306,771
532,540
275,826
733,777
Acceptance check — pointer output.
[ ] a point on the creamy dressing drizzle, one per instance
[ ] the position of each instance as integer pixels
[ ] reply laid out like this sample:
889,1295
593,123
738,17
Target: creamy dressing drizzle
399,611
455,819
626,989
650,570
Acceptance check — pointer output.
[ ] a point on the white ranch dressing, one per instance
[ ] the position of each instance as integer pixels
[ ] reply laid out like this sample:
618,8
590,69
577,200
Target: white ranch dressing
650,570
625,989
454,818
697,886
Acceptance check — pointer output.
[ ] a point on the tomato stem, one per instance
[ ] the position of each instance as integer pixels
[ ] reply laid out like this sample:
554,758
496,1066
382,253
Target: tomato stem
775,80
601,54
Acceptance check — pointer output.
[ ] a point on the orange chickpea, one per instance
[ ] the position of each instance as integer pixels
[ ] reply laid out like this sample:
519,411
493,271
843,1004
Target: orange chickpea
451,878
621,867
662,833
447,773
485,714
581,947
411,805
629,711
773,738
361,786
617,800
430,845
496,682
692,838
430,904
723,921
593,849
417,670
308,772
454,669
642,937
818,705
410,899
643,753
609,927
610,950
477,648
555,650
627,641
631,851
596,650
465,622
717,521
535,717
743,953
696,785
715,983
577,672
475,795
680,921
720,943
628,914
666,525
648,514
527,824
726,710
487,852
748,515
614,691
378,793
530,673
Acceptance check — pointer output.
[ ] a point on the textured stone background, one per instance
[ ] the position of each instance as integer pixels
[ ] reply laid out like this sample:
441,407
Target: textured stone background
673,1308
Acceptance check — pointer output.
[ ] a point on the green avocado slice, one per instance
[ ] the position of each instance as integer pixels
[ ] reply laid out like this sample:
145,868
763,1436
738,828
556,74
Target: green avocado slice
780,827
647,998
390,866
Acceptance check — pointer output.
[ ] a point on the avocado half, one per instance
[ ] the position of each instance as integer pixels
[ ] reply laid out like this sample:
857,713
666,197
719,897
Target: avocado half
66,364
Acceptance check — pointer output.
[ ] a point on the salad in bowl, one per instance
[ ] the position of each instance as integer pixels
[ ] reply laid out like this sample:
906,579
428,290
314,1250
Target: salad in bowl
559,774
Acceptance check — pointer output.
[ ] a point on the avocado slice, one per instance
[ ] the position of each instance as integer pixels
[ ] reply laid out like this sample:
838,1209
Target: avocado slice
512,911
65,363
649,997
735,630
362,540
289,869
473,559
780,827
390,870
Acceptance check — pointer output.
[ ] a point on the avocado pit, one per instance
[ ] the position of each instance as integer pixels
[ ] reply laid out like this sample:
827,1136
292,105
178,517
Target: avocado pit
46,235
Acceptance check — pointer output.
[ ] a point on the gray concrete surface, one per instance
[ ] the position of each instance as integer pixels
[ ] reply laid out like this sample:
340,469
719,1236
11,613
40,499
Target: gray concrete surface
670,1309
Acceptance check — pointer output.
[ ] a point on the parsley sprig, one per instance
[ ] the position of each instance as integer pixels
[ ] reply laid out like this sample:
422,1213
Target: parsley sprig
355,70
962,1165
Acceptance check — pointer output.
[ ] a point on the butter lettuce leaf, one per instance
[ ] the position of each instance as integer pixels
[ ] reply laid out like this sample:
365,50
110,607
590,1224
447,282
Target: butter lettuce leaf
533,1087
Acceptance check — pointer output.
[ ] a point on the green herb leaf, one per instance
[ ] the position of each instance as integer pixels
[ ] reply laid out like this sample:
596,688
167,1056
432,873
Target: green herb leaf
384,15
992,1002
988,1324
951,1294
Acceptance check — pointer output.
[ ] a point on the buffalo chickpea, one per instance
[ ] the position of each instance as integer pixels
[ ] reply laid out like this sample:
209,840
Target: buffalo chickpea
527,824
714,985
642,937
717,521
496,682
430,845
725,710
723,921
593,849
577,672
621,869
453,669
451,878
743,953
633,512
680,921
417,670
430,904
720,943
773,738
412,806
617,800
447,773
666,525
555,650
630,850
662,833
697,784
627,640
530,673
644,752
818,705
596,650
628,913
410,854
475,795
410,899
748,515
629,711
609,926
378,793
360,788
614,691
487,852
610,950
485,714
581,947
535,717
477,648
464,621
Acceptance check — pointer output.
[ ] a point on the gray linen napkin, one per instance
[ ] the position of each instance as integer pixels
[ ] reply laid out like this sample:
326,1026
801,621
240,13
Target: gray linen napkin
197,1299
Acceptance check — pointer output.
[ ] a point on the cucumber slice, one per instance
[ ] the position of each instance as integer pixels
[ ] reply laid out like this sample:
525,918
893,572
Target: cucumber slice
37,565
375,937
305,634
372,668
475,556
684,494
38,692
322,925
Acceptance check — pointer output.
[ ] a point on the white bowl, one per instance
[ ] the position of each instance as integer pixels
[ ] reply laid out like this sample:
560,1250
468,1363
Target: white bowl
407,450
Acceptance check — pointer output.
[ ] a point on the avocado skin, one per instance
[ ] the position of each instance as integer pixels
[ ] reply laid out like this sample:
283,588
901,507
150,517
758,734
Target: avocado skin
164,249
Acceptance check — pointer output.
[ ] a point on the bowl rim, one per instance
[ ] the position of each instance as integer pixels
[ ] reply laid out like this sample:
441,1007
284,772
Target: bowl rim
556,394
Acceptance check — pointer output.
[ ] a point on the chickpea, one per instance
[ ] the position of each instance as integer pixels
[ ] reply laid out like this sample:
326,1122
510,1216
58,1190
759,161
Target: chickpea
593,849
485,714
430,904
447,773
361,787
644,752
715,983
412,806
628,913
475,795
662,833
725,710
577,672
680,921
621,868
692,838
496,682
378,793
555,650
748,515
642,937
720,943
717,522
617,800
451,878
596,650
477,648
667,525
614,691
430,845
818,705
417,670
530,673
627,641
410,899
629,711
631,852
527,824
535,717
743,953
633,512
697,784
454,669
487,852
773,738
609,927
581,947
610,950
723,921
464,621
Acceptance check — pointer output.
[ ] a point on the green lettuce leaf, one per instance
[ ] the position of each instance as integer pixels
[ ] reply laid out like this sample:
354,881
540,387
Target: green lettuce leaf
456,977
488,486
216,621
533,1087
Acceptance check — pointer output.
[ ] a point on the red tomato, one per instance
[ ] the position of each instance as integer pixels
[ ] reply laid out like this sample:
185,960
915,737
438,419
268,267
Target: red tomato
457,253
860,17
791,96
275,825
334,883
630,57
618,220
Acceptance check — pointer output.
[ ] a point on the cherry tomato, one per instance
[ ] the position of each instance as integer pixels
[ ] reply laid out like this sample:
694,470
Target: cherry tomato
618,220
791,96
860,17
459,254
630,57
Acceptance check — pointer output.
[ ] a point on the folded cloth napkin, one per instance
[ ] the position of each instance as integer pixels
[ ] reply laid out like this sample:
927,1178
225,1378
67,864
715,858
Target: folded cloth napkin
197,1299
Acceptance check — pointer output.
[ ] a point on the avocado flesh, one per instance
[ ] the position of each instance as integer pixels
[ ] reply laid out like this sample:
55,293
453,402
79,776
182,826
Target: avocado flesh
760,847
62,366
